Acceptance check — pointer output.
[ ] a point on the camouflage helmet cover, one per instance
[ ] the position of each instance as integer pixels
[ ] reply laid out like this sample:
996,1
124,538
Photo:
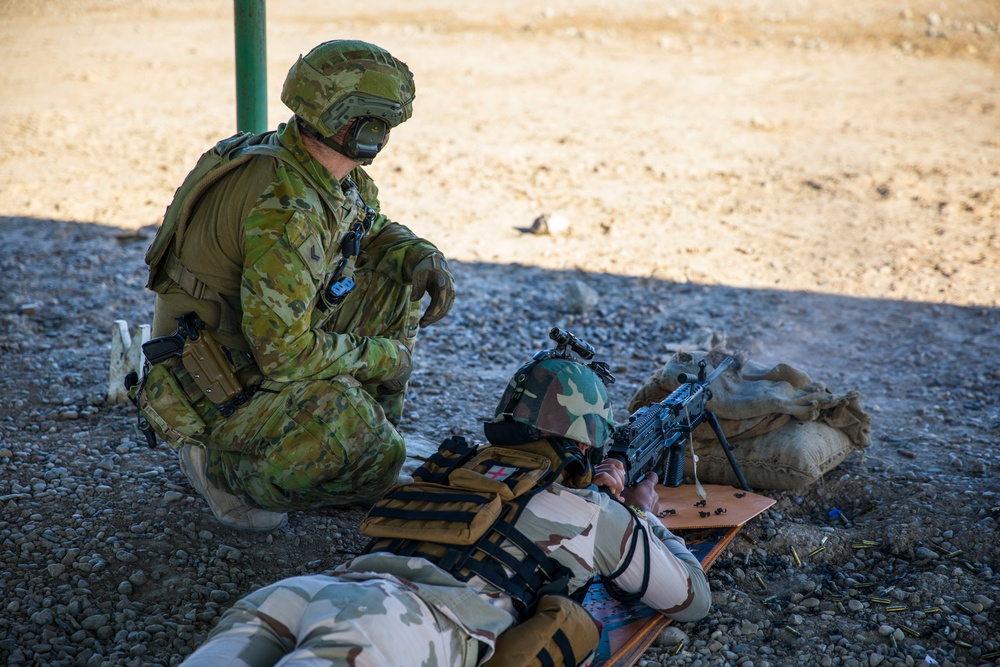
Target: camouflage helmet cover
344,79
559,397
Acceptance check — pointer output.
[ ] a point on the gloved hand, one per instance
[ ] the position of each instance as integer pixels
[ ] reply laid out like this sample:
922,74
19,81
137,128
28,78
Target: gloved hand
393,384
431,275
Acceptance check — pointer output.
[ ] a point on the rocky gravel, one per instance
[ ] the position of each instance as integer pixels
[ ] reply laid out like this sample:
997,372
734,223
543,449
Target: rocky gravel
109,558
814,183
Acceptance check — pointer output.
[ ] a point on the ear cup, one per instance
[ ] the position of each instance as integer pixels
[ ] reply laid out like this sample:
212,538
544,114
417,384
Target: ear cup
365,138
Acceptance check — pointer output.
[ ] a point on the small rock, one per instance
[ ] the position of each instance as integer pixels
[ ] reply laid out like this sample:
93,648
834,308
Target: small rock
95,622
43,617
126,556
986,602
219,596
229,553
553,224
30,308
579,297
672,636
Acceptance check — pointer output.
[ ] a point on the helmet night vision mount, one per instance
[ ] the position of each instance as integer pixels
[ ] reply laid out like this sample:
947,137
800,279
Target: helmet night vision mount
566,345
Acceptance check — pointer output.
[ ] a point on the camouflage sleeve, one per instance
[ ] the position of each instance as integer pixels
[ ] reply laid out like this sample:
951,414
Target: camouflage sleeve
677,585
398,251
284,268
388,238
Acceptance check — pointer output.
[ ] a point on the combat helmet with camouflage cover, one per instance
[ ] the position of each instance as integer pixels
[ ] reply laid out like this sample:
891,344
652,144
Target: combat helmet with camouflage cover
553,396
344,79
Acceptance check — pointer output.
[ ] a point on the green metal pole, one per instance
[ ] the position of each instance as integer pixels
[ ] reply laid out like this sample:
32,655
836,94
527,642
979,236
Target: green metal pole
251,65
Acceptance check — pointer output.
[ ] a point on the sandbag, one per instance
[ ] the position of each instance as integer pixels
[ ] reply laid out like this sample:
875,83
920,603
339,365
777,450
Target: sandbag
789,429
791,457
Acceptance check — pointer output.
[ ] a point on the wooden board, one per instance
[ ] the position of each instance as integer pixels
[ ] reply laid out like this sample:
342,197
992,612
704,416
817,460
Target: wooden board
629,629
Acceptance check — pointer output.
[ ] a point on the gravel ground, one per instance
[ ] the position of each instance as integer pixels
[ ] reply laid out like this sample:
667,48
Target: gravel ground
108,557
817,182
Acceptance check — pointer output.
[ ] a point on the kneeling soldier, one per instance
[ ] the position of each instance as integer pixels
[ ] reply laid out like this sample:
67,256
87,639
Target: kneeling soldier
298,300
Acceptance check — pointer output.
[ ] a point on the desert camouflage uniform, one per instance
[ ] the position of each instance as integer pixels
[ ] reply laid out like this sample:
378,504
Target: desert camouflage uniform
319,431
382,602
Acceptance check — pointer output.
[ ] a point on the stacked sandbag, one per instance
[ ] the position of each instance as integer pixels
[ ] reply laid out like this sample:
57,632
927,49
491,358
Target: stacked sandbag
787,430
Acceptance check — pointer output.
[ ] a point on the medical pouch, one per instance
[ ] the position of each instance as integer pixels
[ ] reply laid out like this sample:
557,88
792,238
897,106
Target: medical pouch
459,505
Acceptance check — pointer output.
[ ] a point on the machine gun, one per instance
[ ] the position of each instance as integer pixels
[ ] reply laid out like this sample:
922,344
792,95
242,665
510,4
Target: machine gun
655,436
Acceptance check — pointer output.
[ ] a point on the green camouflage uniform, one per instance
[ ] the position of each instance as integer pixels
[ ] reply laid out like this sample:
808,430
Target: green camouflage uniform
319,431
381,604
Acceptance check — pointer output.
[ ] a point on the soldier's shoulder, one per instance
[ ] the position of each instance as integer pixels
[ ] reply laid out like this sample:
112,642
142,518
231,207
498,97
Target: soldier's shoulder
288,191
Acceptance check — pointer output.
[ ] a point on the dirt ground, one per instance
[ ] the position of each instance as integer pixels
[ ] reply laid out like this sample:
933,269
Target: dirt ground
818,182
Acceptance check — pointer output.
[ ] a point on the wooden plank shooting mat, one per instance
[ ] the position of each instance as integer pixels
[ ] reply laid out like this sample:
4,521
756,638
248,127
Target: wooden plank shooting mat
708,526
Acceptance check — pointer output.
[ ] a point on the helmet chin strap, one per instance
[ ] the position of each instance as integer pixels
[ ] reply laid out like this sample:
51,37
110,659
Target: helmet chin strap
339,148
580,469
331,144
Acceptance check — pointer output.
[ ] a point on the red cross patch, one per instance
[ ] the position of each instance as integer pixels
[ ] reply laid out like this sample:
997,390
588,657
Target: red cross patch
500,473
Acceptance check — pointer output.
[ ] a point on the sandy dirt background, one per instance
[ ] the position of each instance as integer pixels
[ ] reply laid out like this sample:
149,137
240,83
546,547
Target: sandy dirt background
818,182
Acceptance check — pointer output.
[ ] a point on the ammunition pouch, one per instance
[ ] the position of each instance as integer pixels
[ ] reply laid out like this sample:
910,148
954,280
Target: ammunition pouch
167,408
560,633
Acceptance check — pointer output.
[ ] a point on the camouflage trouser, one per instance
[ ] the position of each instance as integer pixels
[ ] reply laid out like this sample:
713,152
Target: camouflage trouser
313,443
316,443
325,621
307,444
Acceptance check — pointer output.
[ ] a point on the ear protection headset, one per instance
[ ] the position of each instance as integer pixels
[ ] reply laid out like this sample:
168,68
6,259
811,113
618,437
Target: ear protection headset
365,138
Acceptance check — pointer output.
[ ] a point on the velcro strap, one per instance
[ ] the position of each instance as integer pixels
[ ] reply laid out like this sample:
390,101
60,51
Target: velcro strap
429,496
421,515
562,641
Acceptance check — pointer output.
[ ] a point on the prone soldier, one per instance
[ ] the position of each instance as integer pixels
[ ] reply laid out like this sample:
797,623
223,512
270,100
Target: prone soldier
483,558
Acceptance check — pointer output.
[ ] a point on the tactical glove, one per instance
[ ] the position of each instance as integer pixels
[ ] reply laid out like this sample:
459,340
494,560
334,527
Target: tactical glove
431,275
393,384
386,360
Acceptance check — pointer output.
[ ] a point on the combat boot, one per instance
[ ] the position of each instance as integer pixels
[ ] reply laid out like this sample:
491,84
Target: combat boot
231,511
